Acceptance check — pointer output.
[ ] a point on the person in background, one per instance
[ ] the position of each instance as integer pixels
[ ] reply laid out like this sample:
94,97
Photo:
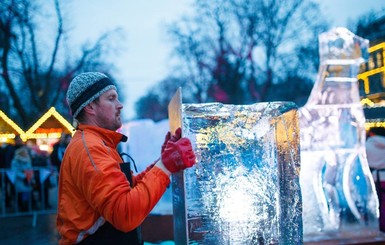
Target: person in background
9,151
22,165
100,200
8,155
375,148
375,152
41,164
58,150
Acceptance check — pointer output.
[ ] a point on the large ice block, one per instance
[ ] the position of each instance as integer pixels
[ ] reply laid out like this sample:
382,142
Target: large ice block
339,197
245,186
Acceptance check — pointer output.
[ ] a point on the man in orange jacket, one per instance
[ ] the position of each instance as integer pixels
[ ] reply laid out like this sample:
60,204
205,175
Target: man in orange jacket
100,201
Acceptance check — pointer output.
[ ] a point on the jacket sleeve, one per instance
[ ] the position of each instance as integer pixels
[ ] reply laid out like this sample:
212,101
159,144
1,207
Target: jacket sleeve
107,190
140,176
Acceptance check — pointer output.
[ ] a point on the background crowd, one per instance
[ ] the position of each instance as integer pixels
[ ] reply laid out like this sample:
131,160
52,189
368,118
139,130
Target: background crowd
28,173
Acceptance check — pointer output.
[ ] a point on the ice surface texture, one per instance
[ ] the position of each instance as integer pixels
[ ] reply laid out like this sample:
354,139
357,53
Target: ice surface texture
245,186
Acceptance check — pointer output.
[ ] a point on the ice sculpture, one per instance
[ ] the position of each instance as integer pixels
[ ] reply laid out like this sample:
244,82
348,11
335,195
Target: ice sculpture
339,197
245,186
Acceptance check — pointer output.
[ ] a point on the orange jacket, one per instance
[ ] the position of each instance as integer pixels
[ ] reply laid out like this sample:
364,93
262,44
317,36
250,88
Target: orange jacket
93,189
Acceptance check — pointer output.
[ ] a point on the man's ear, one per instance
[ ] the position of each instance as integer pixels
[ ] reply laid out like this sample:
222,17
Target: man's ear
89,108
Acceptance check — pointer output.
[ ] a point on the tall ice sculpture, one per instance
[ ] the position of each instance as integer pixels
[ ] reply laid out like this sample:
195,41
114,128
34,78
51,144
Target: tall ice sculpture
245,186
338,193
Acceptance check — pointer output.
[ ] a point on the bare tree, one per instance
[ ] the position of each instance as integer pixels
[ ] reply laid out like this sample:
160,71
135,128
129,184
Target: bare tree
154,104
235,50
35,77
210,62
370,25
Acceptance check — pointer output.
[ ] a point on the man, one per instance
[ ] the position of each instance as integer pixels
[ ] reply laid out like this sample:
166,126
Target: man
98,202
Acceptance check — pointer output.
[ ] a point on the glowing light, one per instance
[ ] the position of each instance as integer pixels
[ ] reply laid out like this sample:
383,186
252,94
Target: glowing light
367,101
13,125
365,75
54,135
374,123
49,130
38,133
44,147
370,73
7,136
376,47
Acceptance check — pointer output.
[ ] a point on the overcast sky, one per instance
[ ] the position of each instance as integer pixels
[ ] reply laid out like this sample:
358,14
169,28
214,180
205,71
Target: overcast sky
144,59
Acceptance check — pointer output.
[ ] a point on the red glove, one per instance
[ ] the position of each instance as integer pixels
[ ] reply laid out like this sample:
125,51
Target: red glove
177,135
168,137
174,138
178,155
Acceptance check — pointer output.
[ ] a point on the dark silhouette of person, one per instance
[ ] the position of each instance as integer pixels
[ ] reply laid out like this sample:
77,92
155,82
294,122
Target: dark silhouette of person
58,150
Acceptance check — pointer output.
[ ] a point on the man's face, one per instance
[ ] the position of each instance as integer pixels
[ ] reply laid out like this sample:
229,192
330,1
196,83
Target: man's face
108,110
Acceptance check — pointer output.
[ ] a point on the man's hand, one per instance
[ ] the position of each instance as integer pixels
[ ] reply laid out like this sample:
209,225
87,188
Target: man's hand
177,135
178,155
167,138
174,138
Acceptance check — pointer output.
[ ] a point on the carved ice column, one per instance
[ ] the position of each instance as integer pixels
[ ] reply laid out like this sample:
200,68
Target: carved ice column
339,197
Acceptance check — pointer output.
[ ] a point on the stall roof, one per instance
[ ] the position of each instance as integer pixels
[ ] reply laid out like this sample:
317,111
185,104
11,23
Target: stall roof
50,120
8,128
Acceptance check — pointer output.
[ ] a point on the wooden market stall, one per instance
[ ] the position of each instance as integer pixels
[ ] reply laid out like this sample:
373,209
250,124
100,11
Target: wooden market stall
47,129
8,129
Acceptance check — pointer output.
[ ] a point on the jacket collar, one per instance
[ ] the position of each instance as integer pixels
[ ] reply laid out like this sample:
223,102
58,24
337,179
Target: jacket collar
110,137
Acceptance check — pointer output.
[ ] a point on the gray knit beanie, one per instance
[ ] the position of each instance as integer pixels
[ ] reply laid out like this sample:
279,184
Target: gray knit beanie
85,88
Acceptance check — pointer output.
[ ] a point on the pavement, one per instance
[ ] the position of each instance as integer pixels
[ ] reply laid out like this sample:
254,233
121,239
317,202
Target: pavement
33,226
39,228
20,230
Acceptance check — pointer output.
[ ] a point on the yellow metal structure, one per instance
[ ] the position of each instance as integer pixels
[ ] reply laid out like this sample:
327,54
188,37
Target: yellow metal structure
372,85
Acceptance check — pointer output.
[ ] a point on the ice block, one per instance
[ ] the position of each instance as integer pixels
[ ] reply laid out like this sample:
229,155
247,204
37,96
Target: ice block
245,186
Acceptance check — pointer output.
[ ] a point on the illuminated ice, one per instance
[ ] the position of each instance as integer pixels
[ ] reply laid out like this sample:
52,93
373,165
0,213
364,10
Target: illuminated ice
339,197
245,187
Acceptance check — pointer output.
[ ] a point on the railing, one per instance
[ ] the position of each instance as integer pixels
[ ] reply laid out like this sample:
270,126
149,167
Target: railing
42,191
